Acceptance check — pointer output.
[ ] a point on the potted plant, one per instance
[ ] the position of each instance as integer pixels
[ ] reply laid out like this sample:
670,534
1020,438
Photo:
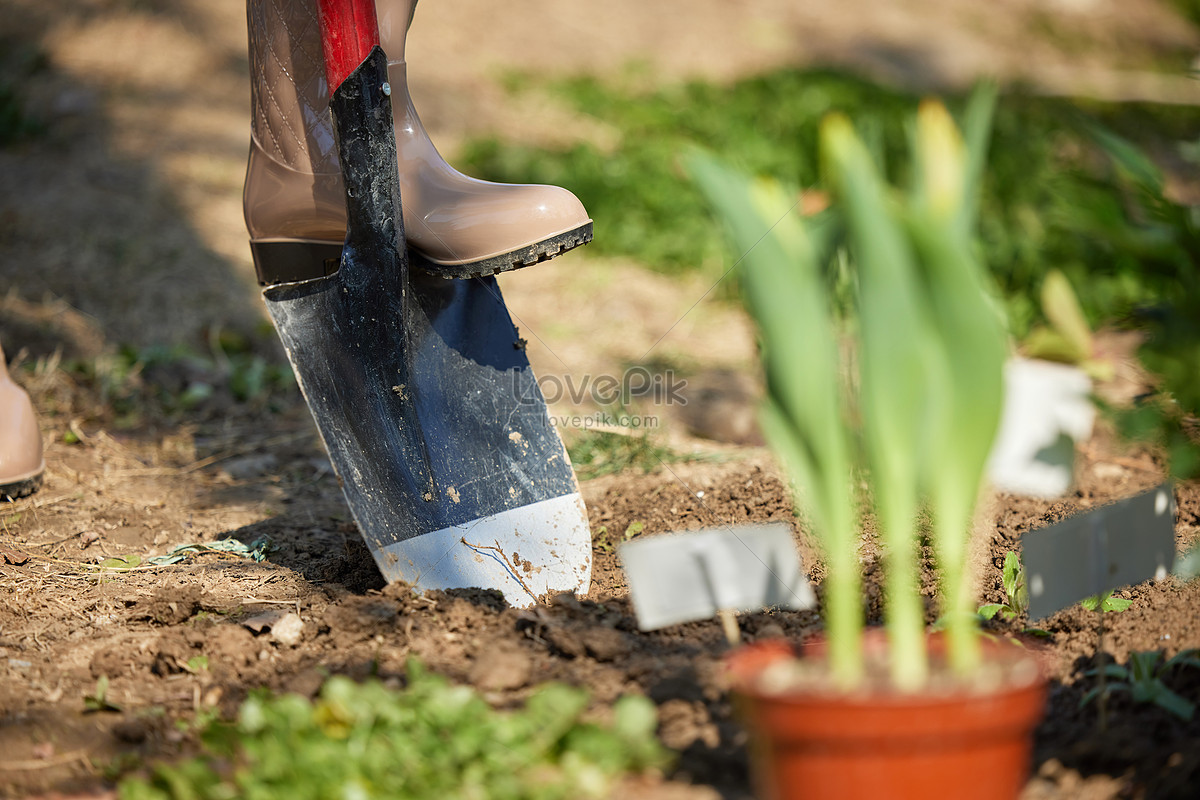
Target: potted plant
900,713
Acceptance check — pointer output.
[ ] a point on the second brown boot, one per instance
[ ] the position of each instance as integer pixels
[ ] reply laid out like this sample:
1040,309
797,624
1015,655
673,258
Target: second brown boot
21,462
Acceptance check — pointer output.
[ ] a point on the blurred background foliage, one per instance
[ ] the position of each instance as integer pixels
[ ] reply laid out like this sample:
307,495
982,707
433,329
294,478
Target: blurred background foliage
1070,185
1053,196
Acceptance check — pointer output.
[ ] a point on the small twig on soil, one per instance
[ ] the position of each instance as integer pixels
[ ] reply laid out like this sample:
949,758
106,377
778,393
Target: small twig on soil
512,567
55,542
149,472
75,428
50,501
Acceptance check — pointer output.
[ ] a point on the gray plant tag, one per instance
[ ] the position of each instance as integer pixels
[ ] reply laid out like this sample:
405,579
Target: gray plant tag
1118,545
682,577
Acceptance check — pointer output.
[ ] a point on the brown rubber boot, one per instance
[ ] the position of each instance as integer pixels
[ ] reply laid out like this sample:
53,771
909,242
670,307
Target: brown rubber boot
21,463
455,226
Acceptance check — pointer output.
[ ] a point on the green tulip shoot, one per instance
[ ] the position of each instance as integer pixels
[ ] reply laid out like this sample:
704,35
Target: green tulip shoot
915,406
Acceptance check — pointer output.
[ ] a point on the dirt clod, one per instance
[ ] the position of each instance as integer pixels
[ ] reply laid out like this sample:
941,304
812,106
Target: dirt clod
605,644
171,606
501,667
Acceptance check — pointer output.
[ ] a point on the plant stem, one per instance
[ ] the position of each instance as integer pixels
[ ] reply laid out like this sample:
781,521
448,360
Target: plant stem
951,537
843,611
1103,698
902,593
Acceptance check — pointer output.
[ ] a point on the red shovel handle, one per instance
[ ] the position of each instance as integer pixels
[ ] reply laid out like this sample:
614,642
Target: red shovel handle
349,30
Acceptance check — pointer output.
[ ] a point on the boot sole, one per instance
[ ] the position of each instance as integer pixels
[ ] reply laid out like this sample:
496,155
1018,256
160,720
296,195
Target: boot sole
290,261
15,491
506,262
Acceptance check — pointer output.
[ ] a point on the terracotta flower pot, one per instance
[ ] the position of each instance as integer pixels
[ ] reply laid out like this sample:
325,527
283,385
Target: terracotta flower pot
954,742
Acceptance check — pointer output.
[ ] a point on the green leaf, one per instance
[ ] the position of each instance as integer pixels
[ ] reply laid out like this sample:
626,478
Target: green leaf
1115,604
1094,693
98,700
964,385
433,739
1184,658
1063,311
121,562
633,530
989,610
1143,665
1110,670
898,363
802,415
1105,602
1011,574
1174,703
1133,161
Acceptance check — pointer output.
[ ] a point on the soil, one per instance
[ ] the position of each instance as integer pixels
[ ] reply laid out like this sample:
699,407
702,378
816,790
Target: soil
120,228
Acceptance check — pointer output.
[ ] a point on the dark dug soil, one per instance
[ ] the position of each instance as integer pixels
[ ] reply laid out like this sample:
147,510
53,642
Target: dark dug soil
317,606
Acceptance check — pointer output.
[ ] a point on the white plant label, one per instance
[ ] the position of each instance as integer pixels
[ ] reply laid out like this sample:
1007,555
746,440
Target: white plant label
1047,409
683,577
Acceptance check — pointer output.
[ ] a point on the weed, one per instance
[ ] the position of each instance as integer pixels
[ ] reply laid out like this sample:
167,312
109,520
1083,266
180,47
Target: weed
604,542
1106,603
1143,677
1016,596
121,562
430,740
197,664
98,700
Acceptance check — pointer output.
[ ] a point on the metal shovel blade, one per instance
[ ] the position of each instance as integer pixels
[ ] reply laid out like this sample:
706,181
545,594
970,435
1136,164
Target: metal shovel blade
424,398
682,577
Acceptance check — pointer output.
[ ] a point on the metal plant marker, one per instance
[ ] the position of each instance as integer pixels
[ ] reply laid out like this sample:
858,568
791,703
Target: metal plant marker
1090,554
684,577
1118,545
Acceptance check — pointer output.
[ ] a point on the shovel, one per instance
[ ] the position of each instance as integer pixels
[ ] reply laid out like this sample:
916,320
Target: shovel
419,385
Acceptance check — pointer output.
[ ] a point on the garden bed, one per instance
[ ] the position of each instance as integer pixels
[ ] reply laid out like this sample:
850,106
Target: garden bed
182,639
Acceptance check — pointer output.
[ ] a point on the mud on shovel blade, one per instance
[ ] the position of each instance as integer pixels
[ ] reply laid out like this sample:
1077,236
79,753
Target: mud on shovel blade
431,415
682,577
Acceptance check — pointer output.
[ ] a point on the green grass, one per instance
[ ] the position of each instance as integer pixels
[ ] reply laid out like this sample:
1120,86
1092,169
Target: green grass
1051,197
642,203
596,453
